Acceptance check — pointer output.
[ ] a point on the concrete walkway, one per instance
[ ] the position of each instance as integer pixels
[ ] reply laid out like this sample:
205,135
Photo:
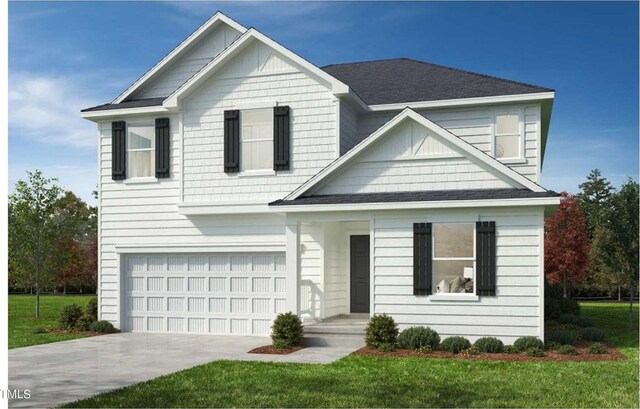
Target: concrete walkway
67,371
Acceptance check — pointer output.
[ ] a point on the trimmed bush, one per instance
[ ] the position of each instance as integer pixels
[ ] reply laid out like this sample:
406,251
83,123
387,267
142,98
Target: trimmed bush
491,345
552,345
455,344
554,307
92,308
510,349
575,320
425,349
418,337
524,343
597,348
535,352
69,316
84,322
471,351
562,337
381,329
384,347
286,331
102,326
567,350
592,334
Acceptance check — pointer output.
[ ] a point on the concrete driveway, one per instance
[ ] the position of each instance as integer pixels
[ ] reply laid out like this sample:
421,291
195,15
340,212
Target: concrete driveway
66,371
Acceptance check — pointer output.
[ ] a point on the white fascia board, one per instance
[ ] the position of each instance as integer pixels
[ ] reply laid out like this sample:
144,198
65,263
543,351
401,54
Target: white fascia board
444,204
216,19
199,247
113,113
405,114
499,99
205,208
337,87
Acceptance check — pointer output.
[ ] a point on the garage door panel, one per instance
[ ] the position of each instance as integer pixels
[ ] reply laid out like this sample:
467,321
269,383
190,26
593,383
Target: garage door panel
213,293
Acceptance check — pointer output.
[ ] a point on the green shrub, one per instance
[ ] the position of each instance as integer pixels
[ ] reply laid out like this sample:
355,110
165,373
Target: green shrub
567,350
92,308
418,337
69,316
386,347
524,343
562,337
554,307
455,344
592,334
535,352
102,326
84,322
597,348
575,320
552,345
286,331
510,349
491,345
381,329
425,349
471,351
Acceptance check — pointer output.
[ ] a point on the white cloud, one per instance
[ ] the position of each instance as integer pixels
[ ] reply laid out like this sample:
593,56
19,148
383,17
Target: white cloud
47,109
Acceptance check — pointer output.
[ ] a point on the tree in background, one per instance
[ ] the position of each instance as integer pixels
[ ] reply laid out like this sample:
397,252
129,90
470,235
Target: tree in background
566,244
32,232
594,200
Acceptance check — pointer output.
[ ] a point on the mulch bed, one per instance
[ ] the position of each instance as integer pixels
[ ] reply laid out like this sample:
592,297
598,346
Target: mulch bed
268,349
550,356
66,331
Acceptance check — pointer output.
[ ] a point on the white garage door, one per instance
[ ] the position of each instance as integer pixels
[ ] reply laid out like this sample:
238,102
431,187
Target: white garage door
204,293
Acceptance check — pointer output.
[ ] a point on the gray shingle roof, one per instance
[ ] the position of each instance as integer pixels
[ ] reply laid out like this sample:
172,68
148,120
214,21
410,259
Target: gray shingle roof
135,103
404,80
419,196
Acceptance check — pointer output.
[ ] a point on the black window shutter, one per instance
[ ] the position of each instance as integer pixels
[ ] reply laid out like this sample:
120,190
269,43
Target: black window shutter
232,141
281,138
163,147
486,258
422,259
118,150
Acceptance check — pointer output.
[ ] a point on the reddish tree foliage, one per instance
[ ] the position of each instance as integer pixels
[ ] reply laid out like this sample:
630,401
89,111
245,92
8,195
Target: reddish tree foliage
566,244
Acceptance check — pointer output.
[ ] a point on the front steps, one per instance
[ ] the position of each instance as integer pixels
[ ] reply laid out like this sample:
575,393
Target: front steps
340,331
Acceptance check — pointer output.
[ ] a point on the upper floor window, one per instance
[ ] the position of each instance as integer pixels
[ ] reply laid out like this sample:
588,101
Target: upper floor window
454,257
508,135
256,139
140,150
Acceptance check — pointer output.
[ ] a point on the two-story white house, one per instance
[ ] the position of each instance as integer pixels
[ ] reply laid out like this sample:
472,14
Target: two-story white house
238,180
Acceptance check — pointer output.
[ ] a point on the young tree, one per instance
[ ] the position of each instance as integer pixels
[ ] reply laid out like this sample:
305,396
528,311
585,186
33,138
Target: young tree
566,243
601,273
594,199
32,231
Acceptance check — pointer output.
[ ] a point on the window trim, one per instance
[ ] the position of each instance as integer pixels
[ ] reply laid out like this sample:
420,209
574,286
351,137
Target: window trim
255,107
434,284
152,176
521,139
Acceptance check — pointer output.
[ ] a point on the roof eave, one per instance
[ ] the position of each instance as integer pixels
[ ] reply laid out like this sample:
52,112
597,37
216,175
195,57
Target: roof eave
96,116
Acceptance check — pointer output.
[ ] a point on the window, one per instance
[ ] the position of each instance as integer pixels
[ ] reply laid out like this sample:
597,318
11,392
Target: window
140,150
507,135
454,258
256,139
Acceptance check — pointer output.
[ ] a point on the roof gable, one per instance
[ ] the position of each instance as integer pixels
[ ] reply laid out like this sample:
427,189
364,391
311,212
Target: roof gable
186,59
412,138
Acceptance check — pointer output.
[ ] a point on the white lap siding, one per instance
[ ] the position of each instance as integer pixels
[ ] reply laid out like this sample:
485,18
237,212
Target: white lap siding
514,311
147,214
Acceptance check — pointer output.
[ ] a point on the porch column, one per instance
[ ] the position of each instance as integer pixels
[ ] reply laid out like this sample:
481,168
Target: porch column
293,257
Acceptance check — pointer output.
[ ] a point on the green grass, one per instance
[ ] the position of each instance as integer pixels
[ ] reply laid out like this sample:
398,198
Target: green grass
401,382
22,321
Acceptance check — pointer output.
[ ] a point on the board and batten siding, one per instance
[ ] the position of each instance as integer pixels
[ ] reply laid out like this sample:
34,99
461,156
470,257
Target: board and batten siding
178,72
515,311
147,213
475,126
259,75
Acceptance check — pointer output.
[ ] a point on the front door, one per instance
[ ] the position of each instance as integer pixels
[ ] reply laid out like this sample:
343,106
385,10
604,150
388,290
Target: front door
359,273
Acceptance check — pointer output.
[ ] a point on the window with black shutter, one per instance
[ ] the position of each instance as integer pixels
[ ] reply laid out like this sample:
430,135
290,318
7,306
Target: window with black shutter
118,150
422,260
486,258
232,141
281,138
163,148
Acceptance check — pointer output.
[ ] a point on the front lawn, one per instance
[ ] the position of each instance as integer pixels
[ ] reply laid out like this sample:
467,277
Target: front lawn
357,381
23,326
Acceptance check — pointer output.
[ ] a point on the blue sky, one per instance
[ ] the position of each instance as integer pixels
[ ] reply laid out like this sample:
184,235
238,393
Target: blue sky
71,55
